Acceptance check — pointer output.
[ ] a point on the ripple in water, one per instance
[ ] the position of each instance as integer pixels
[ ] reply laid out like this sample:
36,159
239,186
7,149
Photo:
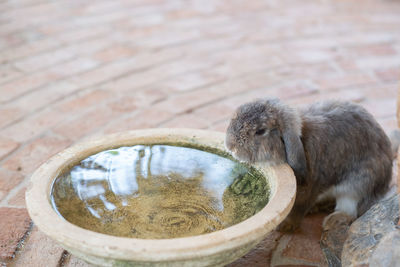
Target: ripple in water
158,191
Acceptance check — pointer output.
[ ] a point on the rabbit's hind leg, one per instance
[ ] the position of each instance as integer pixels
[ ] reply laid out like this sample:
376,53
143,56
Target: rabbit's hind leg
346,203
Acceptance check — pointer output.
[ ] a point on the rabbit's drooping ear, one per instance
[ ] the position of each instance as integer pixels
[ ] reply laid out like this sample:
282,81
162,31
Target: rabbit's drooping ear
295,155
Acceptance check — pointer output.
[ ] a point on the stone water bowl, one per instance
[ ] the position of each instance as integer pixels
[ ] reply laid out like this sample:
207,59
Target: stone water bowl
159,197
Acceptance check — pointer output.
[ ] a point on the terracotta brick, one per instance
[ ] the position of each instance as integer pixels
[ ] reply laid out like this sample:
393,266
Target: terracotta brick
216,112
356,96
319,69
368,63
115,52
220,126
84,101
192,81
35,125
9,114
158,73
148,96
85,124
9,180
321,42
125,104
29,157
123,67
380,91
45,96
388,75
346,64
44,60
234,102
102,74
186,121
292,90
14,224
185,65
378,49
89,47
288,93
73,261
32,11
39,250
133,81
15,88
164,39
147,118
250,64
32,48
138,80
74,66
136,99
7,146
181,13
77,35
19,199
343,81
80,22
102,7
304,244
372,37
381,107
312,55
388,124
8,73
11,40
190,101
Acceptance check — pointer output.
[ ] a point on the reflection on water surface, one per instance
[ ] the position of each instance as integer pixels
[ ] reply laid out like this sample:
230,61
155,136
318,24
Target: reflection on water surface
158,191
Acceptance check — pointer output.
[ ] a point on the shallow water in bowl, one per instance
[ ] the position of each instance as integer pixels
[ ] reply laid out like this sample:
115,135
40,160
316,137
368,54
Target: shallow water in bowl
158,191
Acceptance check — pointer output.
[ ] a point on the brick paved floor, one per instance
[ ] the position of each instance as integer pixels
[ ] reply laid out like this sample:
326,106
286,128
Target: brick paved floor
71,69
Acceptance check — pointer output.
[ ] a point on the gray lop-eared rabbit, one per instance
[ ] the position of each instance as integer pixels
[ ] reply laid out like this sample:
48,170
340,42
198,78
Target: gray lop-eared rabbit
336,149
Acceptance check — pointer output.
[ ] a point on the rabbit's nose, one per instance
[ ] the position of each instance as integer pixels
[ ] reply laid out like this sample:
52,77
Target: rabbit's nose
234,152
228,144
230,147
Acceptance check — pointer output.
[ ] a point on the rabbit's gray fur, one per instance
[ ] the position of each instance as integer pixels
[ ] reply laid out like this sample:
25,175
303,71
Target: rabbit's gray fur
335,148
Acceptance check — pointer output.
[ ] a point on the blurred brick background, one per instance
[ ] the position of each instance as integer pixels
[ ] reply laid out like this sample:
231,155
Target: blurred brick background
71,69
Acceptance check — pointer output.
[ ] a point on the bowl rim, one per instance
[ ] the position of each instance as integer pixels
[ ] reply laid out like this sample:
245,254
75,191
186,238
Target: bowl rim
75,238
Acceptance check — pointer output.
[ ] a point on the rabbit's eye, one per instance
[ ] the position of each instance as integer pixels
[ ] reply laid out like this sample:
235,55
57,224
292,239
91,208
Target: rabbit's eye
261,131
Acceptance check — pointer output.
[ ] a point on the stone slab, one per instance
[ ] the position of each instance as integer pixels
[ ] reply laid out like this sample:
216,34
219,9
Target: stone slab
367,232
13,224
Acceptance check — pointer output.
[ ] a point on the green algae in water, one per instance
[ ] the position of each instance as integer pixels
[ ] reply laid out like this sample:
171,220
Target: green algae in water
158,191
